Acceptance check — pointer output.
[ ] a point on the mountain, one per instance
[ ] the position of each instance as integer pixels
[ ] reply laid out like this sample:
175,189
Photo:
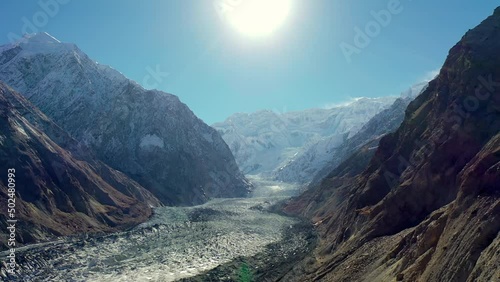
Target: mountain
149,135
368,136
265,141
426,207
317,160
59,191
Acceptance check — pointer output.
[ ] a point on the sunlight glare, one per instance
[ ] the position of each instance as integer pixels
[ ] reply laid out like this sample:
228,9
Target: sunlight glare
256,18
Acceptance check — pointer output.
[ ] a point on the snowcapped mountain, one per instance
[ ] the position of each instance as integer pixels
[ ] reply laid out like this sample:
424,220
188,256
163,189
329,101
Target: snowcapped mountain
317,160
265,141
149,135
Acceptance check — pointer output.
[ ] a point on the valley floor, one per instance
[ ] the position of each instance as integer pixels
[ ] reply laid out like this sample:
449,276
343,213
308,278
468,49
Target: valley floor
177,242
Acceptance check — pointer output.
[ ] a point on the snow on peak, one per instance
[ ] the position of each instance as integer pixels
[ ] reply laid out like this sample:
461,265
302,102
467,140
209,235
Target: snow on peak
41,37
415,90
41,42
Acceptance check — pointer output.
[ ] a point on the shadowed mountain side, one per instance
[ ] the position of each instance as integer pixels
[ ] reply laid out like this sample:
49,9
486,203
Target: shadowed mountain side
60,191
427,205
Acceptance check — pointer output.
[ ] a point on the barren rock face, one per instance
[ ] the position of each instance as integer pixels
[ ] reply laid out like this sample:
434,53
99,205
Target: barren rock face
61,189
150,136
427,206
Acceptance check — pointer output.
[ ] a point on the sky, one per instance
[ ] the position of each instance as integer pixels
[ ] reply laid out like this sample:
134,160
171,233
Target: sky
316,58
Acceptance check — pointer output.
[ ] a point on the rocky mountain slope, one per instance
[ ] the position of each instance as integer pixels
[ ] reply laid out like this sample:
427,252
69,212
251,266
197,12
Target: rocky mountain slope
427,205
150,136
60,188
316,161
264,141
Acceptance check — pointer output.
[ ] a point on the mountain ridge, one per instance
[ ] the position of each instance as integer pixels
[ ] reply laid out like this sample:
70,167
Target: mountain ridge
265,140
149,135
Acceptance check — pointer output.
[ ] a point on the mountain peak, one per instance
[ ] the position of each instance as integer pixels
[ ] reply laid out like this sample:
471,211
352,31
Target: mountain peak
41,37
40,42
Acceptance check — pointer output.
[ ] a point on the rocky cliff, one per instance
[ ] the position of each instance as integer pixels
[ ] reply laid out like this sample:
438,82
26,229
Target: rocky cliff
426,207
60,188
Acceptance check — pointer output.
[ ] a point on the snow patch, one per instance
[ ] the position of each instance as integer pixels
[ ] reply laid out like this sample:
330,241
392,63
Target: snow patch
20,129
152,141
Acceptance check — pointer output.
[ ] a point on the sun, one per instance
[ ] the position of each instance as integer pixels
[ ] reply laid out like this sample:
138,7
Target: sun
258,18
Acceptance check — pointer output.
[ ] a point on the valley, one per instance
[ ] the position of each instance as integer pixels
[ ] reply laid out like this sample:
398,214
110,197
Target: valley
111,180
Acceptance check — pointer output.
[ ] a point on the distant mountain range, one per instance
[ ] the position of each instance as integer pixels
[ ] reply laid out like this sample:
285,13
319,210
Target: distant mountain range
304,146
314,162
264,142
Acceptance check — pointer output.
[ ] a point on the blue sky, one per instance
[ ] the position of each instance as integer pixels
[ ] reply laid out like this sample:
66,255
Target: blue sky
217,71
